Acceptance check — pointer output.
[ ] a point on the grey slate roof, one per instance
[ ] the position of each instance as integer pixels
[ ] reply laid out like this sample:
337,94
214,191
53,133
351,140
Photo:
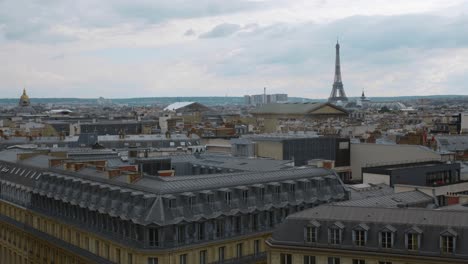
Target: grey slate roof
407,199
234,163
416,216
452,143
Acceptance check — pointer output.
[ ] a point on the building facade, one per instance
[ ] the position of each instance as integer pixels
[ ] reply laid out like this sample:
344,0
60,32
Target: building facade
363,235
82,214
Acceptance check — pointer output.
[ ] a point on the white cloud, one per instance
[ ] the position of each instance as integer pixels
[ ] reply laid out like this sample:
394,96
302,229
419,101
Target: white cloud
152,48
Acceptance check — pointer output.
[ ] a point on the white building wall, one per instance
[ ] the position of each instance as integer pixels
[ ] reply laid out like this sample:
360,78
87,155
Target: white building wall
372,178
367,155
464,122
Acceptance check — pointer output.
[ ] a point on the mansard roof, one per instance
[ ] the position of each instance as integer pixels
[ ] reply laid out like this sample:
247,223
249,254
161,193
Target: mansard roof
410,216
145,201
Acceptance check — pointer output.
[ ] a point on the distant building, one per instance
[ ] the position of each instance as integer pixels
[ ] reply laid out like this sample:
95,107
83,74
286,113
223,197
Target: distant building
269,115
187,108
359,235
370,155
260,99
24,105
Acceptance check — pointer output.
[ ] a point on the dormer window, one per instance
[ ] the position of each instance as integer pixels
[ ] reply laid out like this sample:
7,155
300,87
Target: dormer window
210,199
245,195
335,233
387,236
413,238
448,240
172,203
228,197
277,190
191,201
261,194
311,232
360,235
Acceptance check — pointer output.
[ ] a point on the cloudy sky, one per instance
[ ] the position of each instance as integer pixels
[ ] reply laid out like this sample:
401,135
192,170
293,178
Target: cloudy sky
146,48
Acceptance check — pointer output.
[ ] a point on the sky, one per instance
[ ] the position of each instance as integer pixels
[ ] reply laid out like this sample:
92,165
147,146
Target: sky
156,48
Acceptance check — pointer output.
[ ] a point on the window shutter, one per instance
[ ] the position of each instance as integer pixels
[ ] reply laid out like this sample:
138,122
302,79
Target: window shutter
306,234
392,238
380,239
419,242
406,240
329,235
365,237
354,236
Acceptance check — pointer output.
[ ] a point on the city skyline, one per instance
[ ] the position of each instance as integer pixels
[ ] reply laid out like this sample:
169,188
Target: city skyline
218,48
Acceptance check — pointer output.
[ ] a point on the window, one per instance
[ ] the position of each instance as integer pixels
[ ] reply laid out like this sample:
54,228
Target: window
238,224
256,247
172,203
152,260
245,195
412,241
221,251
359,237
292,188
210,200
385,262
201,231
386,239
277,191
285,258
117,256
334,236
219,228
183,259
228,198
359,261
130,258
239,250
106,251
96,247
255,224
261,194
447,244
153,237
181,234
333,260
203,259
309,259
191,201
311,234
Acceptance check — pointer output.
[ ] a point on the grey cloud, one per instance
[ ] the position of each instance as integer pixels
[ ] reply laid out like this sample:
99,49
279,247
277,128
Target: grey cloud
222,30
160,10
189,32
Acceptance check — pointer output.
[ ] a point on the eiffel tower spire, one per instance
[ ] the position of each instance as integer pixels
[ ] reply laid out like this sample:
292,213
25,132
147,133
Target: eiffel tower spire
337,93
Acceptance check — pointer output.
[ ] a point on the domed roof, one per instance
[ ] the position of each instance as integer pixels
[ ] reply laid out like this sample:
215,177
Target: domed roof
24,96
24,99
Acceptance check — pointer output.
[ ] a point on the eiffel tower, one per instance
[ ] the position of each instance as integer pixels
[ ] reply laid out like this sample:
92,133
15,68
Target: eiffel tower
337,93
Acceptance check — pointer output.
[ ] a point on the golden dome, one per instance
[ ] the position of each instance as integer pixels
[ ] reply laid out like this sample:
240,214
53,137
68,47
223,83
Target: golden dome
24,99
24,96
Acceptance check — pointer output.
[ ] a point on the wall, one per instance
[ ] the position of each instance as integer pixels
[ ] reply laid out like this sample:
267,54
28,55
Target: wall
374,178
364,155
270,149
